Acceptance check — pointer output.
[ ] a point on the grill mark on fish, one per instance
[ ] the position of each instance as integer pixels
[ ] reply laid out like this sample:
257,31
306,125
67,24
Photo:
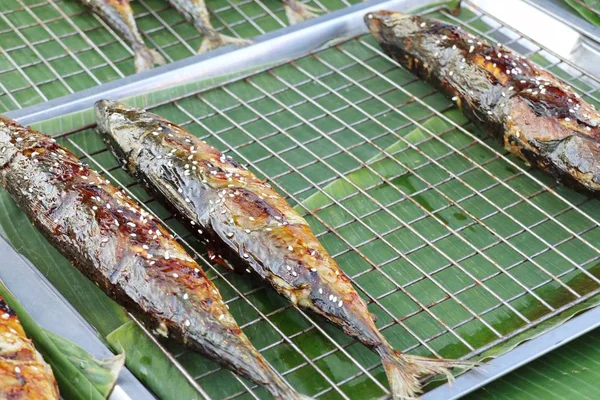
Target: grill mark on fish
251,227
126,252
537,117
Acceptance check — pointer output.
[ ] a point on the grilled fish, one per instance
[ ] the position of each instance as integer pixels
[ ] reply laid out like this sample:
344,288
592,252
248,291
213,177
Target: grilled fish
125,251
296,11
119,16
248,225
23,372
195,11
537,117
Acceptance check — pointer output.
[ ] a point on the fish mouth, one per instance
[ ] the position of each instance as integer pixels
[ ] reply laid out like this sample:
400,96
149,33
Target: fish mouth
376,21
103,110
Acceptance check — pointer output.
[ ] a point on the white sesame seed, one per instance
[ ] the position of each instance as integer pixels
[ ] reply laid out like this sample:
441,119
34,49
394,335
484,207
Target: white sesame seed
5,316
229,235
94,208
131,224
132,235
187,322
330,297
313,269
567,119
340,303
185,296
320,291
288,267
423,24
247,230
167,255
290,248
251,218
455,98
471,49
17,370
175,275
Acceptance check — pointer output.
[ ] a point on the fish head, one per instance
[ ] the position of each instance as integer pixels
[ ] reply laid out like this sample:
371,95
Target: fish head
122,127
390,27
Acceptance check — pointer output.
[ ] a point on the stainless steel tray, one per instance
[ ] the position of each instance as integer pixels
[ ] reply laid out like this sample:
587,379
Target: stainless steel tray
276,105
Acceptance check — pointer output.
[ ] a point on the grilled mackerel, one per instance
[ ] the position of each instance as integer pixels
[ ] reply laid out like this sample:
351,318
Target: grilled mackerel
249,226
23,372
125,251
537,117
119,16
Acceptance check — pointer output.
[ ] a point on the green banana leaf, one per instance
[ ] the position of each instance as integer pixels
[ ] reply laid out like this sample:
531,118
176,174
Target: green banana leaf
591,12
78,373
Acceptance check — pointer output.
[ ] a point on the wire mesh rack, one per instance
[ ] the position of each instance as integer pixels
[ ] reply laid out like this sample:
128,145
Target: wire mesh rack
456,246
51,48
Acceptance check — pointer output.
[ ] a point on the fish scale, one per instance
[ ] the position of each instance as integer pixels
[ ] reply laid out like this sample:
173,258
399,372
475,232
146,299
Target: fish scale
250,227
125,251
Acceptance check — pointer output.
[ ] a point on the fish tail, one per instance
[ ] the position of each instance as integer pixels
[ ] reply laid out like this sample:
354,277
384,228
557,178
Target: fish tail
216,40
297,11
403,370
146,58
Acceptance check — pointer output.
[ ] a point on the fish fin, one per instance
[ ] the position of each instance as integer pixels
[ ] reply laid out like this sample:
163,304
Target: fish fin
403,371
218,40
146,58
213,256
297,11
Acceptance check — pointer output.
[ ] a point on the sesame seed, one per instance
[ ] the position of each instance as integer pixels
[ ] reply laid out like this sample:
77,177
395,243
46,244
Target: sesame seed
132,235
313,269
288,267
330,297
567,119
455,98
423,24
229,235
17,370
247,230
471,49
94,208
451,73
5,316
185,296
200,231
248,270
104,240
131,224
251,218
167,255
175,275
294,273
340,303
246,255
290,248
320,291
187,322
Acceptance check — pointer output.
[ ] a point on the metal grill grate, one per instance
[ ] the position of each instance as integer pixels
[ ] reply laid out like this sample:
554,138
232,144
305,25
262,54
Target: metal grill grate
453,243
51,48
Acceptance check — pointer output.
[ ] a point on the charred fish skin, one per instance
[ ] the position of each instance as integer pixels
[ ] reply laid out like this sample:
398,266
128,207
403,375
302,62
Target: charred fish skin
23,372
119,16
125,251
537,117
248,223
196,12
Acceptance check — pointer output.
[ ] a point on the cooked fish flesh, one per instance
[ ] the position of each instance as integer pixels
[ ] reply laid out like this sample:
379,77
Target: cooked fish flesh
125,251
248,225
119,16
537,117
195,11
23,372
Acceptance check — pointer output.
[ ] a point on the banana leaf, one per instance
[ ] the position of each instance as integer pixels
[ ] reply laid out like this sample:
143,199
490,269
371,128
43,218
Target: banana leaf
588,9
78,373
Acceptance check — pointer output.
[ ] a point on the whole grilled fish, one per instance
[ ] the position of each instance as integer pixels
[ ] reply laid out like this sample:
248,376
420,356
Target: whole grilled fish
195,11
296,11
119,16
23,372
538,118
125,251
249,224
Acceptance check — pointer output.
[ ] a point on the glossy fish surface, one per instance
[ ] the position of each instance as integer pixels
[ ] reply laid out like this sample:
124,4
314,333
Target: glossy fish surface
23,372
249,226
119,16
536,116
125,251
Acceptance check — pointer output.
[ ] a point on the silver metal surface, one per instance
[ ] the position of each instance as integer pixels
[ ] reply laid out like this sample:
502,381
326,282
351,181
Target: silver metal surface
51,311
518,357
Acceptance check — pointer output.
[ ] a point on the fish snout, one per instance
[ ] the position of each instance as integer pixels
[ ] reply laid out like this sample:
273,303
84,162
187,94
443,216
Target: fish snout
381,21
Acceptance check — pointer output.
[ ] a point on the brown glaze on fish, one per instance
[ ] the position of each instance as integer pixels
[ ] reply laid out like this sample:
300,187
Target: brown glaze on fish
125,251
23,372
538,118
119,16
196,12
249,225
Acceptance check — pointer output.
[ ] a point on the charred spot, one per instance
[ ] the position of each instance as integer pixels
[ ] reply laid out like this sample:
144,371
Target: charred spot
5,309
255,207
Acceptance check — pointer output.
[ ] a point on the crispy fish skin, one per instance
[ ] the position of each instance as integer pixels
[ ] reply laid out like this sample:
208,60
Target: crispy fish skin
250,225
125,251
119,16
538,118
23,372
196,12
